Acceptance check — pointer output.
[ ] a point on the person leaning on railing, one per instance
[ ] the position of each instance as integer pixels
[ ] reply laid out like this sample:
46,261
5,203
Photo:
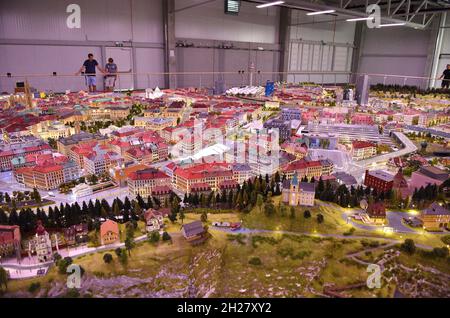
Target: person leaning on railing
445,77
88,68
110,78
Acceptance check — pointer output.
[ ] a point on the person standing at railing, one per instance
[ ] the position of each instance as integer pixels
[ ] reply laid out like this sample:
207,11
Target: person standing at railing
110,80
88,68
445,77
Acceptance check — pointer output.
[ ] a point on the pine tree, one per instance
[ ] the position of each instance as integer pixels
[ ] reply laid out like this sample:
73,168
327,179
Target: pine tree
13,218
230,199
239,201
36,196
269,209
127,204
277,189
51,217
141,202
260,202
115,209
245,199
181,215
223,197
137,210
277,177
283,210
209,199
292,216
98,208
3,217
213,202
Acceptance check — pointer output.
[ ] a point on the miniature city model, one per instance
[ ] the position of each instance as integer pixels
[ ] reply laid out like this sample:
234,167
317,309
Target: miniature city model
181,193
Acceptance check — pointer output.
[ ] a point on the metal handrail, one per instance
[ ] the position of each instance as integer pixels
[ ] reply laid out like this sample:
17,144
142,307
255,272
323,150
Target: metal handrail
175,73
223,73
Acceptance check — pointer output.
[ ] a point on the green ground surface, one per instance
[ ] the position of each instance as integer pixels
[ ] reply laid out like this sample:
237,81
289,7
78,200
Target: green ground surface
333,222
242,265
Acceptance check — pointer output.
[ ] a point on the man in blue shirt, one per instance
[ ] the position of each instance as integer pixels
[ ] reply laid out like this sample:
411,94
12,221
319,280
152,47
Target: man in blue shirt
445,77
88,68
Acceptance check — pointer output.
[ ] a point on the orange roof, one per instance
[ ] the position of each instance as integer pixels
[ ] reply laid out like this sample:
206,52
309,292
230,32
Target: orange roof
109,226
47,169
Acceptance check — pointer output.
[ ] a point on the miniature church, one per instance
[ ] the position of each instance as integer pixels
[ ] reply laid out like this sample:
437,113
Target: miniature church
298,193
43,244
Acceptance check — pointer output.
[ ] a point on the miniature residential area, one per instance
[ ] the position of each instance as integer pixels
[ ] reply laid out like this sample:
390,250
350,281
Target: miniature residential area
254,153
110,181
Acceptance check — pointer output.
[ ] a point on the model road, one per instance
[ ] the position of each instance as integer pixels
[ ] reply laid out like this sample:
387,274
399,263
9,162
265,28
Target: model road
9,184
358,168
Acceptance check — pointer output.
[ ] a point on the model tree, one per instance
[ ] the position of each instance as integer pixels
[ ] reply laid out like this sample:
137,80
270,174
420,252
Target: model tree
3,278
107,258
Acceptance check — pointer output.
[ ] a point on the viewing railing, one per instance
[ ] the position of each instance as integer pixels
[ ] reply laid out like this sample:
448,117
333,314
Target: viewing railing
218,82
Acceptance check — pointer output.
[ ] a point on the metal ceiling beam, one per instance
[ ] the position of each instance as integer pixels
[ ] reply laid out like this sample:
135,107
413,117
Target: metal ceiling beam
403,11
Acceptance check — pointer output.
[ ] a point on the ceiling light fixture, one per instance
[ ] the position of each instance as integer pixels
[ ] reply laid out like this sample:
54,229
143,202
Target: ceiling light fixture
359,19
265,5
320,12
391,24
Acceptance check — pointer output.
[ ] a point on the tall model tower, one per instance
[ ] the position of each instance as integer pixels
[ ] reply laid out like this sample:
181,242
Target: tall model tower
251,70
362,90
43,244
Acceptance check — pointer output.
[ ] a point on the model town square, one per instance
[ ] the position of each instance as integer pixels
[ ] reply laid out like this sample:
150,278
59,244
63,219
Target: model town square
150,172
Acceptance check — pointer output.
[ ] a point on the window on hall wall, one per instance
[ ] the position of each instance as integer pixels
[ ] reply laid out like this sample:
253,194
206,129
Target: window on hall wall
314,57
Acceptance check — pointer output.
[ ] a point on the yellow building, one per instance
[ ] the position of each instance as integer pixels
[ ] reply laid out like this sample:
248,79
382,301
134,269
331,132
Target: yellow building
51,129
435,218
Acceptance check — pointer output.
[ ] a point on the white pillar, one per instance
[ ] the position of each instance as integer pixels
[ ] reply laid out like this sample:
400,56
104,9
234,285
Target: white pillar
56,242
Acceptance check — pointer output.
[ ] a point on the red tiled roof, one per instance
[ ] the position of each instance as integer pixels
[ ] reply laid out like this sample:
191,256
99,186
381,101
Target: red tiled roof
376,209
7,234
147,174
228,184
302,164
205,170
200,186
359,144
137,152
161,190
47,169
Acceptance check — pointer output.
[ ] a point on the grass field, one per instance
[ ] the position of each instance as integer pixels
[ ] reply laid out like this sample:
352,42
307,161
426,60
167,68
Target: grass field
225,266
246,265
333,222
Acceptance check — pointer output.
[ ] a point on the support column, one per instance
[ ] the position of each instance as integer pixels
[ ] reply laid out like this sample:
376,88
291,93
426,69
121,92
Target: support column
360,29
284,39
432,66
170,62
